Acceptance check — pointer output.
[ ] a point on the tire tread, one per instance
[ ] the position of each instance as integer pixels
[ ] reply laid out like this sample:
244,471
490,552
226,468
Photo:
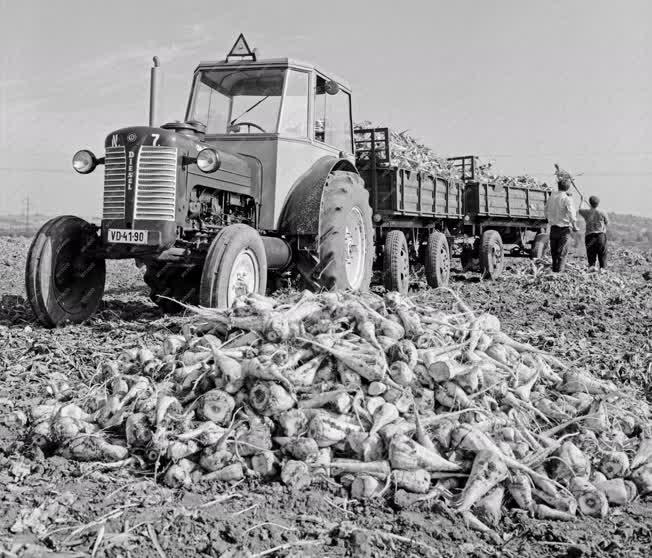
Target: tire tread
35,297
434,277
489,238
342,189
394,263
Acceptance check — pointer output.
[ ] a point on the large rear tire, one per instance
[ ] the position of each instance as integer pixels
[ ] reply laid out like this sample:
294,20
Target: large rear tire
396,262
438,260
344,251
492,255
235,265
540,246
64,277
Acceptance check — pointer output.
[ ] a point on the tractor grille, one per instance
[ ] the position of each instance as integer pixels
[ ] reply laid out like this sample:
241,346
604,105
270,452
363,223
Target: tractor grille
114,183
156,183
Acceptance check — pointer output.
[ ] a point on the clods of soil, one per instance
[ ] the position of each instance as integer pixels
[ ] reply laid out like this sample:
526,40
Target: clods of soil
53,507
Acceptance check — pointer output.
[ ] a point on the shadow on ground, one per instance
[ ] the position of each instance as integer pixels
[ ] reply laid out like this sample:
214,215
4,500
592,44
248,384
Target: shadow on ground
15,310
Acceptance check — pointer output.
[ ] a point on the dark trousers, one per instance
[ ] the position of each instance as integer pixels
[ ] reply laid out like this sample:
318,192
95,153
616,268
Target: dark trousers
559,244
596,247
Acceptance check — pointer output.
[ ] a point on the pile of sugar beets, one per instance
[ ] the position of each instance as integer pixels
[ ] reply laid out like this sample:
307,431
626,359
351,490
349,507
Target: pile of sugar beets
381,395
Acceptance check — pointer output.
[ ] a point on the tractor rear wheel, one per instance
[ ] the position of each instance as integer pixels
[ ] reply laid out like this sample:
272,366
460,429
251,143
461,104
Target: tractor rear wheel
168,281
438,260
492,255
235,265
540,246
64,276
396,262
344,252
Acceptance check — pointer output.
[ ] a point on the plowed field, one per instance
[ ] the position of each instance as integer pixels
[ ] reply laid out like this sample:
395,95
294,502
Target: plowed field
53,507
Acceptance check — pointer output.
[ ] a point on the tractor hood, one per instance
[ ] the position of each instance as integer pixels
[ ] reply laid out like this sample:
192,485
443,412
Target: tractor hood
136,136
146,154
187,139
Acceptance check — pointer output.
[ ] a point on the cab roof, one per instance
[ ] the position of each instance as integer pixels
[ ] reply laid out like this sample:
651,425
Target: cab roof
274,62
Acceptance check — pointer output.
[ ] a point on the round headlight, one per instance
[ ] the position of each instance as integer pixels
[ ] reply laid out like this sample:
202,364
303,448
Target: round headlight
208,160
84,161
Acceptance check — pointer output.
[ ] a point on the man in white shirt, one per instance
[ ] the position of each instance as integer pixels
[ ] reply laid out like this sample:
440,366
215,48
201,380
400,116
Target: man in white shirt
560,213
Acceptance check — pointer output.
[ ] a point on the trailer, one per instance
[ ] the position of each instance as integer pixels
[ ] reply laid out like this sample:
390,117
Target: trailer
428,218
514,211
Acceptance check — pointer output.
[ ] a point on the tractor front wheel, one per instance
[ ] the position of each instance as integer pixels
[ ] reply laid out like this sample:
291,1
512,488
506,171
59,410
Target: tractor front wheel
438,260
235,265
492,256
396,262
344,248
65,276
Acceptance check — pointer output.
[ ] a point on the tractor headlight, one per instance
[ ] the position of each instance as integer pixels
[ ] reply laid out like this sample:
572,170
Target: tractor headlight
208,160
84,161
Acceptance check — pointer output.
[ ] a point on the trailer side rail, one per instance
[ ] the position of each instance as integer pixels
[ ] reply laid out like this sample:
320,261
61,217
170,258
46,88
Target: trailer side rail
398,191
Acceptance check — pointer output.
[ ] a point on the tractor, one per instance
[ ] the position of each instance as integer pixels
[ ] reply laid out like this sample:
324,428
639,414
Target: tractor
259,178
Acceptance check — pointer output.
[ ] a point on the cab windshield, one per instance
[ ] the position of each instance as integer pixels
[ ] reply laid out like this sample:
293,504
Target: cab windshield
248,101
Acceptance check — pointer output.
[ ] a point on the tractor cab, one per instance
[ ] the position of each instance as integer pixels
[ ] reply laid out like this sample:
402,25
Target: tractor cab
283,113
279,98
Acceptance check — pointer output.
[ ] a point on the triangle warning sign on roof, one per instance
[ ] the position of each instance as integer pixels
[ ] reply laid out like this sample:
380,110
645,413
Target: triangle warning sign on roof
241,48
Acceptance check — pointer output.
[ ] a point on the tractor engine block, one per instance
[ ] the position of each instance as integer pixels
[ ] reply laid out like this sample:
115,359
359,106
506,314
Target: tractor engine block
208,207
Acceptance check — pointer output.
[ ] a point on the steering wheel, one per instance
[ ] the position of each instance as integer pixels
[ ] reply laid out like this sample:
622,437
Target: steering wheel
250,125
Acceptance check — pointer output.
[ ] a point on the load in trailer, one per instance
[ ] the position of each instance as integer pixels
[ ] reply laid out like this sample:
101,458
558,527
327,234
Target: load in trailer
260,178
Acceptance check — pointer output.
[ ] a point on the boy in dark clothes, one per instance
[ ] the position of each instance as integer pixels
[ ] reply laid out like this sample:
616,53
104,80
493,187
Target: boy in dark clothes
595,237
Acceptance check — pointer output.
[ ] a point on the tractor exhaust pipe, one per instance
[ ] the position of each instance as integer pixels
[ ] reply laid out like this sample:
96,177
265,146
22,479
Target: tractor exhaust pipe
153,89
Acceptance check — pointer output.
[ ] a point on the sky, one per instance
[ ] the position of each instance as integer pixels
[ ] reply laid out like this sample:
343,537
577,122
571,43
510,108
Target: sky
522,82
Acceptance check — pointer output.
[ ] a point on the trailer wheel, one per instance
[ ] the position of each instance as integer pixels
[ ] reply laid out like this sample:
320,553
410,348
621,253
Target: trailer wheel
438,260
172,281
540,246
491,254
396,262
235,265
64,278
344,253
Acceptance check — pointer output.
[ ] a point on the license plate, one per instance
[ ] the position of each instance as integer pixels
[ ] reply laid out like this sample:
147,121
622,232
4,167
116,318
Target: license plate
127,236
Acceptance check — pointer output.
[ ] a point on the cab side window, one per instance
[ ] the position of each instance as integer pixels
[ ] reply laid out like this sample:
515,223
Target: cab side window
294,121
332,117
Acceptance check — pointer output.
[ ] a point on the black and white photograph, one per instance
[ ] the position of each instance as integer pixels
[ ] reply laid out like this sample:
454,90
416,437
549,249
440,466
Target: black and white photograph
345,279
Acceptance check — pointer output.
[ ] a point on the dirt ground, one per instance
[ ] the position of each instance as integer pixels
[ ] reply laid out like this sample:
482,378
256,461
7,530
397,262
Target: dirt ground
52,507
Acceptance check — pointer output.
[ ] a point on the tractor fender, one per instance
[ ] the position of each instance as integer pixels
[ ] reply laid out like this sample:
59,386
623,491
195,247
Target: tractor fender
300,213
